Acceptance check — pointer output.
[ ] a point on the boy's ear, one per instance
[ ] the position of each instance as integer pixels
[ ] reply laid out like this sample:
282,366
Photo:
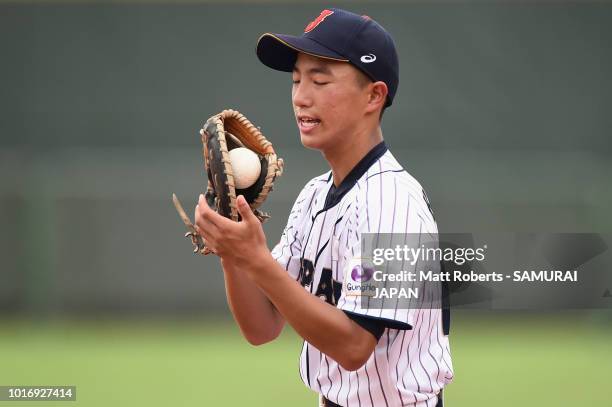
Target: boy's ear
378,96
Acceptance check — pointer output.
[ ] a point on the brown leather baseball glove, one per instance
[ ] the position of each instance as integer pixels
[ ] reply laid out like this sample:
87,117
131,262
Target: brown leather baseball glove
222,133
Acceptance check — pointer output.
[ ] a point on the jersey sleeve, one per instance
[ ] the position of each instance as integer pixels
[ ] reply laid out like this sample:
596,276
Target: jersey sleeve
287,250
380,206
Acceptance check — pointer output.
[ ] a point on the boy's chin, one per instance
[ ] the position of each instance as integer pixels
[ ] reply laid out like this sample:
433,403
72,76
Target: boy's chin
311,142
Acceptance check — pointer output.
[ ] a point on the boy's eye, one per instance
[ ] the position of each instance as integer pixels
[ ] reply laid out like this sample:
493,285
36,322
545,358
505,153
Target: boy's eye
320,83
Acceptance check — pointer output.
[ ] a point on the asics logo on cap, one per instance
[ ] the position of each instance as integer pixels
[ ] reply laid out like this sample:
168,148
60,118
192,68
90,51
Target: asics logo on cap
366,59
314,23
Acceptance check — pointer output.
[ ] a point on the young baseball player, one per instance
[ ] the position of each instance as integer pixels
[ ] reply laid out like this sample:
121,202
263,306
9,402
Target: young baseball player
345,73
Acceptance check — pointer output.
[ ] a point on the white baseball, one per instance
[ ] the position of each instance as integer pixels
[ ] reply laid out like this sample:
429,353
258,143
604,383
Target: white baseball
246,167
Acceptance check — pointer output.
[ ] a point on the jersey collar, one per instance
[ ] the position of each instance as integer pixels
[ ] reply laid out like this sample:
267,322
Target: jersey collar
334,195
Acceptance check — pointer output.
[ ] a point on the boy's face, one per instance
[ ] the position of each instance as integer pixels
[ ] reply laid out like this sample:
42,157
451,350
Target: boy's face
329,100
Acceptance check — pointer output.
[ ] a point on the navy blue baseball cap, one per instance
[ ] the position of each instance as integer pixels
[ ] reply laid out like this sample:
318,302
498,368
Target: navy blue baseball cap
338,35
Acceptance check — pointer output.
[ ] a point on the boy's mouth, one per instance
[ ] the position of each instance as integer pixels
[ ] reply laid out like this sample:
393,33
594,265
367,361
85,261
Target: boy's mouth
307,122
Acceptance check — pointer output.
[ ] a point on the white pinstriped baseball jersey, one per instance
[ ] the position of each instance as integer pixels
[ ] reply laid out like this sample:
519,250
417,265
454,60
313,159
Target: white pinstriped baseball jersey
411,364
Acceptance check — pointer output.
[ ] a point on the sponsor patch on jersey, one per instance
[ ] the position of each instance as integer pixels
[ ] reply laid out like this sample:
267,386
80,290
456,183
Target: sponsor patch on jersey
357,278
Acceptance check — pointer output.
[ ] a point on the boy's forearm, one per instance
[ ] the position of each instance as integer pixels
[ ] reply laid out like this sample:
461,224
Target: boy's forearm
257,318
324,326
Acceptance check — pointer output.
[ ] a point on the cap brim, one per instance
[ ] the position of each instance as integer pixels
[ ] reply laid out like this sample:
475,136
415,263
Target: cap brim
279,51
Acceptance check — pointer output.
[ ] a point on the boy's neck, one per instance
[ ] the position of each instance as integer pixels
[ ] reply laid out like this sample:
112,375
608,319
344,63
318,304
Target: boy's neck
344,158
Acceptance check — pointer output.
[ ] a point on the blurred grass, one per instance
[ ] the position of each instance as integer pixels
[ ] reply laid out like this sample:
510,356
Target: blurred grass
499,360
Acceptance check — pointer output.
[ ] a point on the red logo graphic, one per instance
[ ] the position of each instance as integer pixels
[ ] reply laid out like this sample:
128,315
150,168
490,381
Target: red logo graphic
313,24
